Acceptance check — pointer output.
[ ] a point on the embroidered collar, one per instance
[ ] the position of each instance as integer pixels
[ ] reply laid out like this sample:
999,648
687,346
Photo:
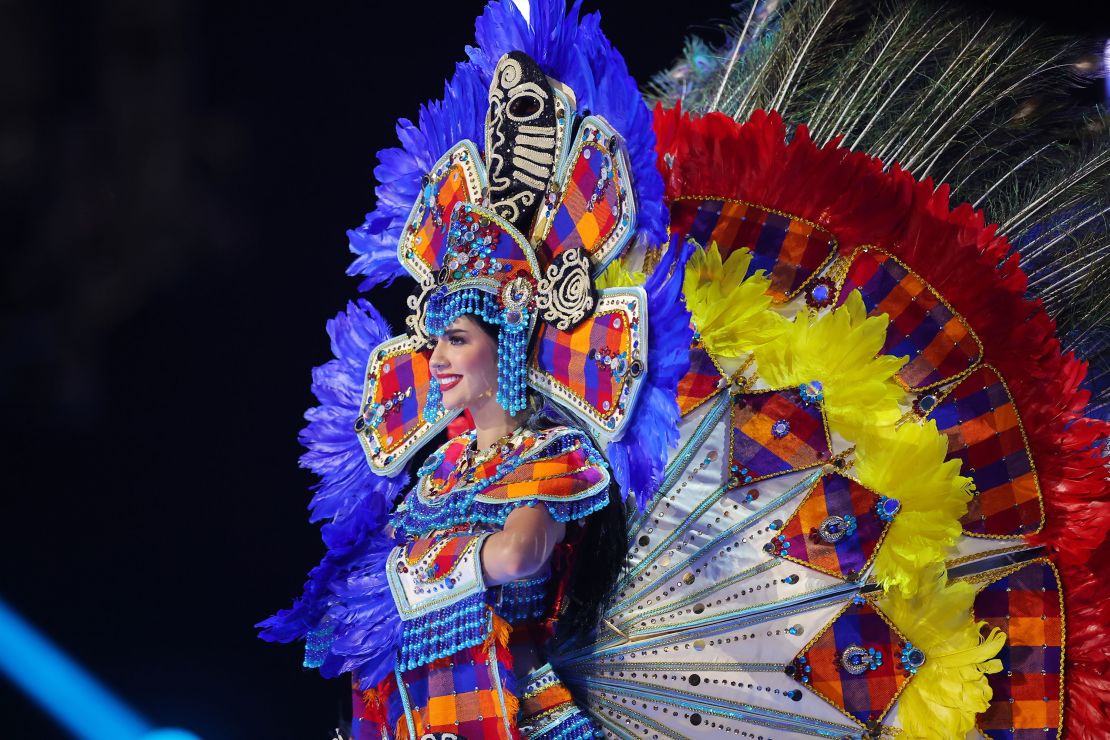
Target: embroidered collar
459,465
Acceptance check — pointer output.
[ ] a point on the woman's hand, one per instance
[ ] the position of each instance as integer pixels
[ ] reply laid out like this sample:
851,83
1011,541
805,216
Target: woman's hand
523,547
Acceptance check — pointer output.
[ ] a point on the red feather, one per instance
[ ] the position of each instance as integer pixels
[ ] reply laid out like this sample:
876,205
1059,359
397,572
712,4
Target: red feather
969,263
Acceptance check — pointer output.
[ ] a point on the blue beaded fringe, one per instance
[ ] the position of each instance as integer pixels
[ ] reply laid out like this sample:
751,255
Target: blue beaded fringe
444,632
578,726
317,644
523,601
512,345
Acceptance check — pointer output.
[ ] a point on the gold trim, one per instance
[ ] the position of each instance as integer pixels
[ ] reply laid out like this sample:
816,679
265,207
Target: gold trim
948,564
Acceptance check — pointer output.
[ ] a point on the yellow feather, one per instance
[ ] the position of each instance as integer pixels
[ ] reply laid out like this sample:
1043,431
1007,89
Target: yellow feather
839,348
731,313
908,464
617,276
942,699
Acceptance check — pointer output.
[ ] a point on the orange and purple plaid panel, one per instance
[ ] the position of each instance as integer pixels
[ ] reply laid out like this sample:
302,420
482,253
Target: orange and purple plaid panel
430,239
588,210
559,476
775,432
844,550
461,695
790,250
938,343
1027,691
569,358
985,435
867,695
446,559
402,387
700,381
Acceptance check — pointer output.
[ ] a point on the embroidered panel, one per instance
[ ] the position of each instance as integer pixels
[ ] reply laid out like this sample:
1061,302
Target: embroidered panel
458,177
854,663
432,574
597,367
557,467
463,695
1028,691
596,212
392,423
790,250
836,530
775,432
986,436
938,342
489,248
700,383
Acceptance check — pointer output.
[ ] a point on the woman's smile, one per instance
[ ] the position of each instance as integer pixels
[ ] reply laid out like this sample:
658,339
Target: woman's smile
448,380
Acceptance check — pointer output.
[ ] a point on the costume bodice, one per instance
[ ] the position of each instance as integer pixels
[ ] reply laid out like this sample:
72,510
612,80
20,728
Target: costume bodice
460,488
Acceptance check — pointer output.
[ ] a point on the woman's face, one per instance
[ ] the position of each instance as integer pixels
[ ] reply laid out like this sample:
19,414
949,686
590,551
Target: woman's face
464,362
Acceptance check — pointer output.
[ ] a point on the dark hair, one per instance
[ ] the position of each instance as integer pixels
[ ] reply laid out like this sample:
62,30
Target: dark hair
603,535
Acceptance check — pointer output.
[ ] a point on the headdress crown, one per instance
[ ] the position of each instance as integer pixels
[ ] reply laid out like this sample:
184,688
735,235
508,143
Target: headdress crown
517,237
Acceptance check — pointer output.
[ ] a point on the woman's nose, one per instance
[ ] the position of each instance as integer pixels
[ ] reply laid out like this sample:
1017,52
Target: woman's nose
438,360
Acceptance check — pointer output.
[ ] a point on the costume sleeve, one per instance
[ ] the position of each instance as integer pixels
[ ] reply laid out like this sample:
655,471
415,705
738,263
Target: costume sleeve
440,595
563,472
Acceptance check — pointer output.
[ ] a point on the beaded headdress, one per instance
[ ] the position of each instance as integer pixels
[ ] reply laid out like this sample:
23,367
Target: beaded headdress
516,236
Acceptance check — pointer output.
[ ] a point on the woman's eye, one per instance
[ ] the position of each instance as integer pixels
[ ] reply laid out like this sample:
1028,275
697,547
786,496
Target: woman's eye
457,341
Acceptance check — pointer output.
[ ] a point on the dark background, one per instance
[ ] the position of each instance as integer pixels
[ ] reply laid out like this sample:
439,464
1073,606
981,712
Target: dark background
176,178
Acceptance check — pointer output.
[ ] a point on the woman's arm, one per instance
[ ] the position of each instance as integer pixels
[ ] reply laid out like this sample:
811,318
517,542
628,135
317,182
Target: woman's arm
523,547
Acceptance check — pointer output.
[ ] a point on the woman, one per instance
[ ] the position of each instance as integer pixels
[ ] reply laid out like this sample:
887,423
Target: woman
514,530
503,494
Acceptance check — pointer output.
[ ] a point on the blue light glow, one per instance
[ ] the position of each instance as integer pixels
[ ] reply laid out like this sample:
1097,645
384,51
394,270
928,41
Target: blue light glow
169,734
65,690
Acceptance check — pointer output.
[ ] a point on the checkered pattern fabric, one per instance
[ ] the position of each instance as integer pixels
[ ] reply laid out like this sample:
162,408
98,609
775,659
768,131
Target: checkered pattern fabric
580,221
835,496
938,342
866,696
403,379
449,551
459,694
568,357
775,432
557,477
509,251
985,435
790,250
699,383
450,473
1028,691
430,240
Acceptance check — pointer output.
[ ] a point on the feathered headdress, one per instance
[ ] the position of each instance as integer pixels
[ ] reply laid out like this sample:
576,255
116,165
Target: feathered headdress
506,200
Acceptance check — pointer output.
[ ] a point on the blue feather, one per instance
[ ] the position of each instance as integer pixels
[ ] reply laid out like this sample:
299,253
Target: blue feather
441,124
333,450
367,627
639,457
354,499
